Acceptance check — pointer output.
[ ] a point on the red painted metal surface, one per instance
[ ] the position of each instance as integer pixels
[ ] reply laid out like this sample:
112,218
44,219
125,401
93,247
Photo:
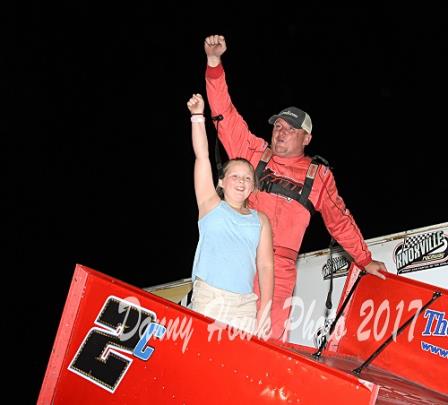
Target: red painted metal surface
419,354
103,355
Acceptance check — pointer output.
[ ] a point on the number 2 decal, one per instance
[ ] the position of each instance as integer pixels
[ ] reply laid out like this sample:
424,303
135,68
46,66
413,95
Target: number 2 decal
101,358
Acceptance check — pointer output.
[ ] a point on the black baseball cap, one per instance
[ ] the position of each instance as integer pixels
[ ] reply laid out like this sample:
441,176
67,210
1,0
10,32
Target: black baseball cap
295,117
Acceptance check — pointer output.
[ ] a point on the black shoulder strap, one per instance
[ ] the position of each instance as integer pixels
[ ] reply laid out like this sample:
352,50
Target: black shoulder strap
265,158
321,160
309,179
218,159
301,197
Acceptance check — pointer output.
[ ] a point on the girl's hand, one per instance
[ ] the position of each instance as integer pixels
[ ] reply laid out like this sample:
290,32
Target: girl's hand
196,104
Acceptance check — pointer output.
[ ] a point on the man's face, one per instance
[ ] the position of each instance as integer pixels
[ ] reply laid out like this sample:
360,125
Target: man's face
288,141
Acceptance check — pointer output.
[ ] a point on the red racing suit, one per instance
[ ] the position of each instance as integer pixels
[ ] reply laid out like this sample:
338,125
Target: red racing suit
289,219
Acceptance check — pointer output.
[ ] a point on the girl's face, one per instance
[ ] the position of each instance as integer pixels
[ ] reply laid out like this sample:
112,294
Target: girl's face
238,181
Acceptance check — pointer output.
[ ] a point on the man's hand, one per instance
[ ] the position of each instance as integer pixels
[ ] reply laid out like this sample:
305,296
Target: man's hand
374,268
214,46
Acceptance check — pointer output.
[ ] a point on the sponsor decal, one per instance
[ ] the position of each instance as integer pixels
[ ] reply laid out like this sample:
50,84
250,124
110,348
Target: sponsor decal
289,113
421,252
122,332
436,325
435,350
339,265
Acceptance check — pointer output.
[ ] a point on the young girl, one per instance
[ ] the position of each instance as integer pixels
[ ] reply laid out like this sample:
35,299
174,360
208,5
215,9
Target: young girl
235,242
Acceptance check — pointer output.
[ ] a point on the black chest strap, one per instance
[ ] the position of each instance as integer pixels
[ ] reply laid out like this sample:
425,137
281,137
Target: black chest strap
270,183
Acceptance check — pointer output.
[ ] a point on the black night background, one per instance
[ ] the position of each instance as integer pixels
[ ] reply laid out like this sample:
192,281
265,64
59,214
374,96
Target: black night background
99,137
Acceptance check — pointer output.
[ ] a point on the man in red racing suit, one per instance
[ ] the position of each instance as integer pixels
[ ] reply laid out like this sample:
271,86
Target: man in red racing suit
289,219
